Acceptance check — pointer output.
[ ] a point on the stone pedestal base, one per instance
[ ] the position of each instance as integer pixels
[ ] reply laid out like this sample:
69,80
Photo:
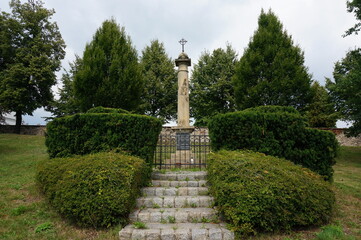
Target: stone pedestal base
181,159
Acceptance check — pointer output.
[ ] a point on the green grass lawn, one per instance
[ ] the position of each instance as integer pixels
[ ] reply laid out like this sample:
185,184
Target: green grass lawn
24,213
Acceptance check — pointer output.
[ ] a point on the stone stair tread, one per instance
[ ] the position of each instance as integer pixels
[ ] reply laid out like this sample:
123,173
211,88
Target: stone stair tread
174,201
175,191
176,215
166,183
179,176
180,225
198,209
178,231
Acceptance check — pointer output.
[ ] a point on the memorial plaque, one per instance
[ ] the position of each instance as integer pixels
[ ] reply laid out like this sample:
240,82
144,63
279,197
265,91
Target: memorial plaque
183,141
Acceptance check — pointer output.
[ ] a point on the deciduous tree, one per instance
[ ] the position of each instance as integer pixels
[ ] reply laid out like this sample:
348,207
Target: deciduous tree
354,6
32,58
110,75
271,70
346,89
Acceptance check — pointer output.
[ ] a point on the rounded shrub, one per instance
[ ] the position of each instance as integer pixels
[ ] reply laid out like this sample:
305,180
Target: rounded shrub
277,131
259,193
96,190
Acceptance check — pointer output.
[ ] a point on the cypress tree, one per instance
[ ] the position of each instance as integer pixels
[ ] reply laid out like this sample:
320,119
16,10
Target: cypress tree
271,70
321,112
110,75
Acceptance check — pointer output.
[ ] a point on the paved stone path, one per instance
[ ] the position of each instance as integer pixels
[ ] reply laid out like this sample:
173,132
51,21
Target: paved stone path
176,207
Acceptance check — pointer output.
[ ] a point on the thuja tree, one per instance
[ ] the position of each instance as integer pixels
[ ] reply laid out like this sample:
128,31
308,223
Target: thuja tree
110,75
321,112
211,85
160,82
31,50
271,70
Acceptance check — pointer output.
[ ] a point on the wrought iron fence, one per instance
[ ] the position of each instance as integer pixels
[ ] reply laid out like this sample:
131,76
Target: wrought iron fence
172,152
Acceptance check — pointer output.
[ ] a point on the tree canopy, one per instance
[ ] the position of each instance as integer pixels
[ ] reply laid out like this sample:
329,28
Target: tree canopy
211,84
160,82
31,49
346,89
321,112
67,103
110,75
354,6
271,70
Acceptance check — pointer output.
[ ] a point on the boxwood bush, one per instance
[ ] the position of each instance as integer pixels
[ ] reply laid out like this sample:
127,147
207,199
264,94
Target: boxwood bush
257,193
276,131
81,134
95,190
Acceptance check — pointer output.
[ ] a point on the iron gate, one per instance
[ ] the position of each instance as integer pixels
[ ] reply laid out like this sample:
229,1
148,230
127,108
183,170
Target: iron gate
179,152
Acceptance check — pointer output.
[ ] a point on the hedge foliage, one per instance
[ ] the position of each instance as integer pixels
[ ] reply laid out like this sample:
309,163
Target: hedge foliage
107,110
95,190
264,193
276,131
81,134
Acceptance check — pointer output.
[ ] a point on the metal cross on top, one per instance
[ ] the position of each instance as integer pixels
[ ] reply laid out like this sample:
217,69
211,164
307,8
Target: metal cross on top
183,42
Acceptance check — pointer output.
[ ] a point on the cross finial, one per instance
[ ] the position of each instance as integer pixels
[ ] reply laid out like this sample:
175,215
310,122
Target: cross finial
183,42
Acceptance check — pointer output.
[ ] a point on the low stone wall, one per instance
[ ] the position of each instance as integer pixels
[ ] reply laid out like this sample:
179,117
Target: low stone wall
349,141
197,131
342,139
25,129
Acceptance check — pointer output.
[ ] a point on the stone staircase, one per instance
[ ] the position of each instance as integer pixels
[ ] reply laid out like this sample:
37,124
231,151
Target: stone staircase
176,207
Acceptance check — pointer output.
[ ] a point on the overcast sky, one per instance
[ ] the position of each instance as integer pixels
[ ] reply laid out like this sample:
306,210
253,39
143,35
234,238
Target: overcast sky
315,25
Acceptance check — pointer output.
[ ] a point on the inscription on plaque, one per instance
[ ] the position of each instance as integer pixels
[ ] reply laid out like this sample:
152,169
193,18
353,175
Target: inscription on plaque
183,141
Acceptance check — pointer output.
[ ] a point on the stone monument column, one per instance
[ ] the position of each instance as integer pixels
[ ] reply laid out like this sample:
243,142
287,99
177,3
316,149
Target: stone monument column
183,62
183,156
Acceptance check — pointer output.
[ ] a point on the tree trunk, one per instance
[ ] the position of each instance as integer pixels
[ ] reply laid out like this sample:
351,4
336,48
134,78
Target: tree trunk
19,119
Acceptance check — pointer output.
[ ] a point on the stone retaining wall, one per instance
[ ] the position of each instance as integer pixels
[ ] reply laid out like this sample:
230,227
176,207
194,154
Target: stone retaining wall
40,130
25,129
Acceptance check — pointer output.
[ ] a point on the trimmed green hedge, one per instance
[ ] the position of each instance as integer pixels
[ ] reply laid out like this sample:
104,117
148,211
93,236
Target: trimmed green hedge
273,109
96,190
258,193
276,131
107,110
95,132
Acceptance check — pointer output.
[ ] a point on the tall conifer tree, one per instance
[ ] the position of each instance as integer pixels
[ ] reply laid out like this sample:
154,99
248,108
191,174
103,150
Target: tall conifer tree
271,70
160,79
321,112
211,86
110,75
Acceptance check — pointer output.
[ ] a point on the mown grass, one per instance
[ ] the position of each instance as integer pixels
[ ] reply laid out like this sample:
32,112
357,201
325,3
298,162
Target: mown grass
24,213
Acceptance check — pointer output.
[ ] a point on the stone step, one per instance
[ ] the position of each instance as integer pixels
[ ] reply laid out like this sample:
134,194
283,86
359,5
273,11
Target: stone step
166,183
179,176
175,202
181,231
174,215
173,191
